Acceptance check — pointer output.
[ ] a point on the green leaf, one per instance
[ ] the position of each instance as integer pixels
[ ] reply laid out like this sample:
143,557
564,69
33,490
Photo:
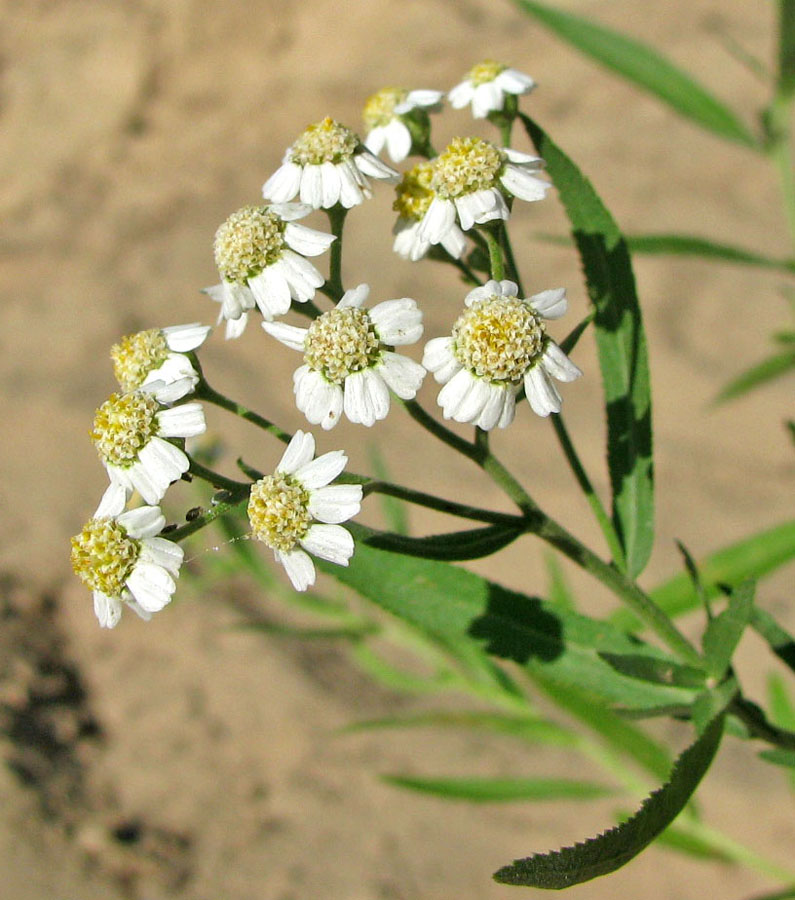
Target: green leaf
774,366
559,590
621,344
472,617
345,632
779,757
617,846
786,48
395,510
782,709
645,68
685,841
459,545
752,557
690,245
500,790
712,702
658,671
723,633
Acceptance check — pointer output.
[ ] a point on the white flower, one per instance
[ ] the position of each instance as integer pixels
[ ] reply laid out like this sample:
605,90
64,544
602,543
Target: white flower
132,434
158,355
414,196
485,87
392,113
327,165
498,344
348,365
470,180
120,558
297,511
259,251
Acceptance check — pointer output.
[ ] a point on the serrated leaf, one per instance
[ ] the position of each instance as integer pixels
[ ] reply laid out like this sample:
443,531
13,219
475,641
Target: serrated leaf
476,618
474,543
657,671
772,367
723,633
752,557
500,790
691,245
621,344
617,846
644,67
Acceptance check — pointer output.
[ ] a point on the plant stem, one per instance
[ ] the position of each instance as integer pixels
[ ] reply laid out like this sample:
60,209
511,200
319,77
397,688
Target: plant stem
213,478
336,218
438,430
513,270
587,488
205,392
219,509
496,262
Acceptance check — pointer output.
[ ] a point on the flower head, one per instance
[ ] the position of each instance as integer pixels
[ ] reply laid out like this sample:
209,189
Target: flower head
499,344
132,434
485,87
158,355
327,165
397,118
297,511
119,556
260,253
471,180
413,198
348,361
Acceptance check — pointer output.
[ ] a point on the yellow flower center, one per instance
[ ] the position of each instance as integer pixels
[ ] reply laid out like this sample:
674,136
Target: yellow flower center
380,107
467,165
498,339
414,194
123,426
136,355
103,555
485,71
249,240
340,342
325,141
277,511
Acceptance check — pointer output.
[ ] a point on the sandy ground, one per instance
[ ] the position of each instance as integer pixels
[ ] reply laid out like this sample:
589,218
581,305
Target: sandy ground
187,759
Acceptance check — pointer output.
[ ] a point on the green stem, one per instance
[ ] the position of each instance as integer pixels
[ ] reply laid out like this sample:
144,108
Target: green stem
216,480
205,392
588,489
779,126
219,509
496,262
336,217
438,430
446,506
513,270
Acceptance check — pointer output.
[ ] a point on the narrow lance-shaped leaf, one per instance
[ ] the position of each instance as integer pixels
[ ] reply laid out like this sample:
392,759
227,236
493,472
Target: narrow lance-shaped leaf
690,245
724,631
774,366
621,342
459,545
500,790
617,846
644,67
786,48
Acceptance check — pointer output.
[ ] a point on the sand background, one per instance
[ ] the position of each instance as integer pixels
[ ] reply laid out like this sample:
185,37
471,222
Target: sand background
183,758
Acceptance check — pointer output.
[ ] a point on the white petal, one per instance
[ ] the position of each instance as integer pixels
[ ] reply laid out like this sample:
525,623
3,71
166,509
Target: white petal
487,97
453,394
398,140
366,398
143,521
376,139
398,322
492,412
182,338
312,186
335,503
558,365
289,212
289,335
481,206
271,290
352,192
163,463
408,244
551,304
185,420
163,553
439,218
299,568
284,184
483,292
438,356
512,81
307,241
171,389
331,184
137,608
317,473
508,410
424,98
113,500
474,401
151,585
369,164
454,242
522,159
299,452
331,542
401,374
302,277
541,392
151,484
461,95
236,327
107,609
524,185
319,400
355,296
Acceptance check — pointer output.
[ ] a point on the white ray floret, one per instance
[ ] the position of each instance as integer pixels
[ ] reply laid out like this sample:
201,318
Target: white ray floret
392,113
326,166
133,434
261,255
472,181
485,87
349,365
498,345
297,511
121,558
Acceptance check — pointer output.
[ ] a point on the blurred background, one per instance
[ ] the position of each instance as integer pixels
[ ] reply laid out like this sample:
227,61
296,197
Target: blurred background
188,758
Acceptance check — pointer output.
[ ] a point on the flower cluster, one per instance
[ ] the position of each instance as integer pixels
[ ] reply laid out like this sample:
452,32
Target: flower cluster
452,206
